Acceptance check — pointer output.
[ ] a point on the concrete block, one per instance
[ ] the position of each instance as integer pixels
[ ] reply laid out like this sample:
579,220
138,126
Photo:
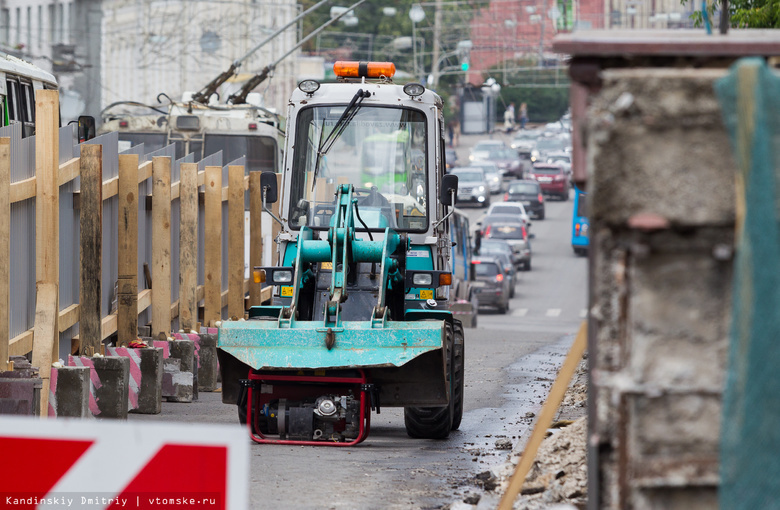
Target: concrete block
69,392
144,331
146,372
109,384
184,350
165,345
20,395
657,144
206,359
674,426
176,385
213,332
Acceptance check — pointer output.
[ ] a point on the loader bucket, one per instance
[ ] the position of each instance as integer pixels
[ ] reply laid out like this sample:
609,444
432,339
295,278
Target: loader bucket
262,344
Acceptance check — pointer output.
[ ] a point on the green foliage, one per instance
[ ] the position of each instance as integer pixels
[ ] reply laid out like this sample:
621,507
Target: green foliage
743,13
545,91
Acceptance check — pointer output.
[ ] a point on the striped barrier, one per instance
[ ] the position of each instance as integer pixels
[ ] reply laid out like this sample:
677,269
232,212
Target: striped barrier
94,380
135,372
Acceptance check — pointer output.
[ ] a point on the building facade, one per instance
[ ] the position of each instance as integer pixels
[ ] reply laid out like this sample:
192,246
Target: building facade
172,47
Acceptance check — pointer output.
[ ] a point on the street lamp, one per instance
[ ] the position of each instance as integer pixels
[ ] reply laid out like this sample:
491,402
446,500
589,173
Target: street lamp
416,14
490,91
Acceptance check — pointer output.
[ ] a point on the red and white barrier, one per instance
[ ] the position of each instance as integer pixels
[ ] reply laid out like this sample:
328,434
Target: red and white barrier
98,464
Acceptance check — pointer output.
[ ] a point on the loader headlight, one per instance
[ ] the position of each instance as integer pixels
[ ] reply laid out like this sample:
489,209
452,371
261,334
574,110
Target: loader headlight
309,86
422,279
413,89
282,276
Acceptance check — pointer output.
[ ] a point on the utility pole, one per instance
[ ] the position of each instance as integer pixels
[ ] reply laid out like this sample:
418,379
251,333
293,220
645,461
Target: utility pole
436,49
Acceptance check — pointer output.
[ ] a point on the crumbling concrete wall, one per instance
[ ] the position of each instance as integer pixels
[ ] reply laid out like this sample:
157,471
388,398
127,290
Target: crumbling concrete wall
661,196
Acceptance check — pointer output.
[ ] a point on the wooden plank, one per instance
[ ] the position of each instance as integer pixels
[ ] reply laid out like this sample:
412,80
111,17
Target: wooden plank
236,241
46,334
255,235
144,171
276,228
47,237
21,344
213,245
546,415
110,188
91,248
5,250
68,171
161,245
68,317
127,280
22,190
188,246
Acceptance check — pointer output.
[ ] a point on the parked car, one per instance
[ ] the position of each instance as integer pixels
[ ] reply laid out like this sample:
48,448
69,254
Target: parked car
492,174
503,251
472,186
515,234
552,179
491,284
450,158
528,193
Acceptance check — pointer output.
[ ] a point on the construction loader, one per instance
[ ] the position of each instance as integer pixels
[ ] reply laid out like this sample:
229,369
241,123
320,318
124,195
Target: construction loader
360,318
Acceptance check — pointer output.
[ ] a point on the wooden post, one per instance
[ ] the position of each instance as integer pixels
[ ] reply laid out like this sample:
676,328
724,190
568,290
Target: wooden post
161,245
5,250
213,245
546,415
236,241
46,343
188,246
255,235
91,252
276,228
127,295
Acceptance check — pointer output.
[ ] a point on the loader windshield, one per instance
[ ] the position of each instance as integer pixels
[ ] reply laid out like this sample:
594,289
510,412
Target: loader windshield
381,151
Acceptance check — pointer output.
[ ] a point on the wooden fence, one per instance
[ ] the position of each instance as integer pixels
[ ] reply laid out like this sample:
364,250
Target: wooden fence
44,188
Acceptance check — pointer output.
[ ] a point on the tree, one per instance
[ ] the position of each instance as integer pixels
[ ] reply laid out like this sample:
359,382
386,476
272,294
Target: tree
744,13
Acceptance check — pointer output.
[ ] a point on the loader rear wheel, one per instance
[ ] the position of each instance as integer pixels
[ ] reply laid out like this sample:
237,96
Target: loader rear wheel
434,422
458,374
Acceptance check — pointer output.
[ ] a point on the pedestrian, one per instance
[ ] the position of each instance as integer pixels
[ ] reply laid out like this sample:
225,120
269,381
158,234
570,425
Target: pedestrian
456,133
509,118
523,115
451,131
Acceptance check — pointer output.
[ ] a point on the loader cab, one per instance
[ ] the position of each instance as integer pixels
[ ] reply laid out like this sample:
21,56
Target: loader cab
370,134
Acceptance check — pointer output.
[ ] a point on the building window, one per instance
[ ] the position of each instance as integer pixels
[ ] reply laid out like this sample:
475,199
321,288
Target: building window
29,30
5,22
60,23
40,27
52,23
18,27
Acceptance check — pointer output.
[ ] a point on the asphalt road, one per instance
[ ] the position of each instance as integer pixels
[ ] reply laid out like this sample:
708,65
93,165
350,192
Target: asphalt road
511,361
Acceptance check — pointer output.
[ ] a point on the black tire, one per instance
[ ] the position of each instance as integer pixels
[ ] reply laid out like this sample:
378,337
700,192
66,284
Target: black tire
565,197
540,216
459,373
433,422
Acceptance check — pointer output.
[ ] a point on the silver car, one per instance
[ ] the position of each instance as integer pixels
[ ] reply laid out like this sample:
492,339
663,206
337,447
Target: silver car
472,186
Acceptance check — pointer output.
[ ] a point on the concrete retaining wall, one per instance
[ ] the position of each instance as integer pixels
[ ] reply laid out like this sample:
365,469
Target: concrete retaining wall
661,197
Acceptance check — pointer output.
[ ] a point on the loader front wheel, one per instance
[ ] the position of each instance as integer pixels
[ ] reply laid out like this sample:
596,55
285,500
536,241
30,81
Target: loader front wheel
434,422
458,373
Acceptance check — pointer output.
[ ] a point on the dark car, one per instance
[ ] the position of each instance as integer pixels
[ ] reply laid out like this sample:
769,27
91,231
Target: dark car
528,193
502,250
515,234
552,179
450,158
507,160
491,283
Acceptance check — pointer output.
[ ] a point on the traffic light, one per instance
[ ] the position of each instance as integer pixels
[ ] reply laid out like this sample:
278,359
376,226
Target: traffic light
464,61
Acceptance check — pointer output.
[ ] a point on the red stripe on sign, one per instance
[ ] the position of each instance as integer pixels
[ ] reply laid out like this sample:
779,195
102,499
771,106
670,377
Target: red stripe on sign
180,476
36,465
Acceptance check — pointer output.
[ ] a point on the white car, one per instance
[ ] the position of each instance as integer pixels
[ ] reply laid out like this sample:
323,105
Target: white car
514,208
492,175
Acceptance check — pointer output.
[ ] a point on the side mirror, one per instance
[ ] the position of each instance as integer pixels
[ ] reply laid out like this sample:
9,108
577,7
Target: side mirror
268,185
449,184
86,128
